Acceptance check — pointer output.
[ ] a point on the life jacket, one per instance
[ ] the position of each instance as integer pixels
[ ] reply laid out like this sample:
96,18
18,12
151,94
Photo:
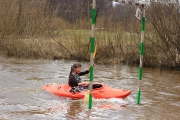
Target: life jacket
77,78
77,88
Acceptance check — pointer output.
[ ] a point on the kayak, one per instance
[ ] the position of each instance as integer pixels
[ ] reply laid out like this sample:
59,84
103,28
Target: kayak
103,91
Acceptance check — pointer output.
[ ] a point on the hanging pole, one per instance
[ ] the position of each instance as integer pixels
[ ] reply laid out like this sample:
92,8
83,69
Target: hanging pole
92,50
141,54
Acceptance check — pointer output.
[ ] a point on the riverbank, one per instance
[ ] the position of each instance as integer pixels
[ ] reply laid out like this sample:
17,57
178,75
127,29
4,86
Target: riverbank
112,47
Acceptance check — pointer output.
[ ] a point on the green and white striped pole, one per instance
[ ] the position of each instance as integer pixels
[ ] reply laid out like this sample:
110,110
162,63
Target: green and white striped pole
141,54
92,50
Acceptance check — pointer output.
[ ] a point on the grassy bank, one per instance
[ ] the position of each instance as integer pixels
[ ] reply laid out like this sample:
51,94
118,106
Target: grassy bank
74,44
112,47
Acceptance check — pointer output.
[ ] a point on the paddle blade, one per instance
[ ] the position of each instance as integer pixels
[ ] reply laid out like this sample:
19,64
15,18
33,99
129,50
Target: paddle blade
86,97
94,55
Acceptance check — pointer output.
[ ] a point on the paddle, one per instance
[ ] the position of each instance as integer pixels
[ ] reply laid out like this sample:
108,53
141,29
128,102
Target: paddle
86,97
94,55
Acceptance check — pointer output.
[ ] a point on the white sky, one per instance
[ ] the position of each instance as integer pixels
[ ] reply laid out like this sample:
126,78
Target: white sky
115,4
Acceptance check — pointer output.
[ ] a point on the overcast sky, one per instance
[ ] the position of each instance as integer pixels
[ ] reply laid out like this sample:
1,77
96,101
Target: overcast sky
115,4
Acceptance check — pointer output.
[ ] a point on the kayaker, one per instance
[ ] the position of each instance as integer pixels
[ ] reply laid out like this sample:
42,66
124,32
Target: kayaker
75,80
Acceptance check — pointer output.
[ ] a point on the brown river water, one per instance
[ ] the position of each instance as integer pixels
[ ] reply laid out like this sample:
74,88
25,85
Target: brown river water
21,96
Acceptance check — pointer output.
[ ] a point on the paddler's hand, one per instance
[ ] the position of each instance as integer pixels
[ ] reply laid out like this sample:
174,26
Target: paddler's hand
86,83
89,68
83,84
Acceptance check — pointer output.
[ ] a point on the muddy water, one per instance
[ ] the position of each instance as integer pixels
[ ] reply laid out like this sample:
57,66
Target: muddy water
21,96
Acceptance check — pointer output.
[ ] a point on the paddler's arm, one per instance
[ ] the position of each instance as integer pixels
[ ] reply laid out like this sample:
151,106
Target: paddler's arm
84,72
83,84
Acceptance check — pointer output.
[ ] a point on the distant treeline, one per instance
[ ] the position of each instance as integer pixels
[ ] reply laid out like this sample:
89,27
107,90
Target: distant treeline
76,10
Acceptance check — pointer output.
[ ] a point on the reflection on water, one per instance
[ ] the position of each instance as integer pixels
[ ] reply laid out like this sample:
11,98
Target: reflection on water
21,96
74,110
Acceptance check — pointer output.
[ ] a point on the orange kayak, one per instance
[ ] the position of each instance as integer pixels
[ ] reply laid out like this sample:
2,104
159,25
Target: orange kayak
98,93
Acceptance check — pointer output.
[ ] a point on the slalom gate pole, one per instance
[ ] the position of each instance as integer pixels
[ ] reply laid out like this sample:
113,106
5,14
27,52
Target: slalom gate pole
141,54
92,50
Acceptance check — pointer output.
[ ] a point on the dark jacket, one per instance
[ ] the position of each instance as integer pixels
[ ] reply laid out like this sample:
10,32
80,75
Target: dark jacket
74,80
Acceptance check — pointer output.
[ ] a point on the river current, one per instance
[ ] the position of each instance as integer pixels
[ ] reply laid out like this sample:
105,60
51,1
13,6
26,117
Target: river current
21,96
